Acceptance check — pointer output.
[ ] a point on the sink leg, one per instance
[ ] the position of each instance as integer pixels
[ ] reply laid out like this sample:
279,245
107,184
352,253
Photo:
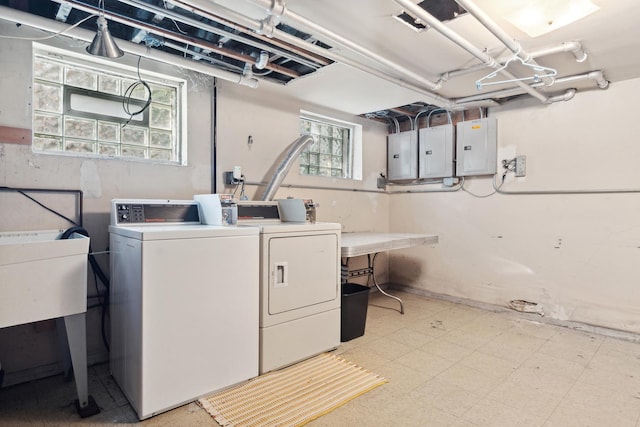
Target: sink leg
75,326
63,346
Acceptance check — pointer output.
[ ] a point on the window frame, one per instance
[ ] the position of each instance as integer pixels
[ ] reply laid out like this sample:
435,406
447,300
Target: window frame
353,158
124,73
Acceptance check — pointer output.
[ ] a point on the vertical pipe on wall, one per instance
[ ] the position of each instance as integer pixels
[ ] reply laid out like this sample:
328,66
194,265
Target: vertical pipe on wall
214,138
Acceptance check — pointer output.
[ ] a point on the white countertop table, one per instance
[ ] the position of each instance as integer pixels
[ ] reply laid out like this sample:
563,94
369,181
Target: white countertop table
359,244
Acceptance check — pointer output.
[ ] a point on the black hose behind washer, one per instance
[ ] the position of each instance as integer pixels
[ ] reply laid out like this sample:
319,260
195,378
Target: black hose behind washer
98,271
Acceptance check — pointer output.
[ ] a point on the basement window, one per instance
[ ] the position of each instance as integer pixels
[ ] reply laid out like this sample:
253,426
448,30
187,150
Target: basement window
336,150
79,109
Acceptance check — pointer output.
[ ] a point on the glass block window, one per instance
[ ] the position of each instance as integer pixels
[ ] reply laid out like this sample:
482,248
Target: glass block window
330,153
78,110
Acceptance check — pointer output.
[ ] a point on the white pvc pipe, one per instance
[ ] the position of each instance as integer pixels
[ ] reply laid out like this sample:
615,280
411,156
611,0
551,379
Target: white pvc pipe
505,38
289,15
262,60
34,21
574,47
502,35
568,95
436,24
205,7
597,76
490,25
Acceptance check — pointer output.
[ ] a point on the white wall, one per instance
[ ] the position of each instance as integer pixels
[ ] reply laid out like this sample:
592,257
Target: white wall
29,351
34,346
273,122
575,254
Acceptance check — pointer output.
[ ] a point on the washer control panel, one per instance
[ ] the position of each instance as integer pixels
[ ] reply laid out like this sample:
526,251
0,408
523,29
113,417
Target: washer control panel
151,211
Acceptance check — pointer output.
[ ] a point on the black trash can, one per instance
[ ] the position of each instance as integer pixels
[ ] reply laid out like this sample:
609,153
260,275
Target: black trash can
353,314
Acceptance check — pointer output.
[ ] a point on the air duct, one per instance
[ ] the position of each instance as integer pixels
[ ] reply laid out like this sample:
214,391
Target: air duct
282,165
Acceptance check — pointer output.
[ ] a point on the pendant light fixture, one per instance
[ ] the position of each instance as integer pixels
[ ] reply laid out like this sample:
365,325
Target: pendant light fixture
103,43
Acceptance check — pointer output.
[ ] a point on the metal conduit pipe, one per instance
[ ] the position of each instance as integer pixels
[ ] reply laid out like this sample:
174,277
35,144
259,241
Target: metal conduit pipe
435,23
573,47
597,76
215,30
192,41
317,29
206,8
28,19
280,169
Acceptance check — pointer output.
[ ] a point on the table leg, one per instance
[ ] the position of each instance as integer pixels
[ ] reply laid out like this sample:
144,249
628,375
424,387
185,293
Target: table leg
371,262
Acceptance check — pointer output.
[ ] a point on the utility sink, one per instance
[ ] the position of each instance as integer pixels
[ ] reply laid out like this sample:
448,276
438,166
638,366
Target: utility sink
45,277
41,276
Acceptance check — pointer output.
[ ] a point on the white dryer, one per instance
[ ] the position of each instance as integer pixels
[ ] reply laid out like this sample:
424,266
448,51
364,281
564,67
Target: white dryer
183,304
299,286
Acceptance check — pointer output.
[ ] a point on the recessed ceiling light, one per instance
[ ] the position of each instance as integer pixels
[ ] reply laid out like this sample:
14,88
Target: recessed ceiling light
543,16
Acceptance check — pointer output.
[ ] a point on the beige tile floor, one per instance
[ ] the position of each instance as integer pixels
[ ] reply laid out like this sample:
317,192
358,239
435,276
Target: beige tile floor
447,364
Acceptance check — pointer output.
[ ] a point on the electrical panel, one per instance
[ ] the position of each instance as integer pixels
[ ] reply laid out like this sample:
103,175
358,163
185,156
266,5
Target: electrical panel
476,147
402,155
435,155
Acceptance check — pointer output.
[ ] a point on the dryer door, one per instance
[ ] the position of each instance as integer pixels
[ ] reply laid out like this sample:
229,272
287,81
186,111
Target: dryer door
303,271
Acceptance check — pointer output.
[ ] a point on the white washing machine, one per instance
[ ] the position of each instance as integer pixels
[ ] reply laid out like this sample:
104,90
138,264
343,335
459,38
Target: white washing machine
183,304
299,286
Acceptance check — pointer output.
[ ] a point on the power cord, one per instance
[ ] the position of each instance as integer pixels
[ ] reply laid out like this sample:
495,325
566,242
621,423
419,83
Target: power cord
240,184
508,165
97,271
126,100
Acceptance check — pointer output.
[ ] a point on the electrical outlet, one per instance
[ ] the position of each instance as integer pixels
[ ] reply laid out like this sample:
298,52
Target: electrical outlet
521,165
229,179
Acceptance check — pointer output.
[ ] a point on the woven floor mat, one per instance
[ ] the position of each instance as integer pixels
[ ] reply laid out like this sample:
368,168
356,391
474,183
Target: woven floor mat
292,396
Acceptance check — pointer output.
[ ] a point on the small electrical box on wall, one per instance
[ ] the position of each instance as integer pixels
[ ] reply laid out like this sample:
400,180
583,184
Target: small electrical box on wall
476,146
435,158
402,155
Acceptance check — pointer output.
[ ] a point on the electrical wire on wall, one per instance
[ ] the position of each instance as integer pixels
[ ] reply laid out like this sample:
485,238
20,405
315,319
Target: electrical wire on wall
509,166
128,96
240,185
98,274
